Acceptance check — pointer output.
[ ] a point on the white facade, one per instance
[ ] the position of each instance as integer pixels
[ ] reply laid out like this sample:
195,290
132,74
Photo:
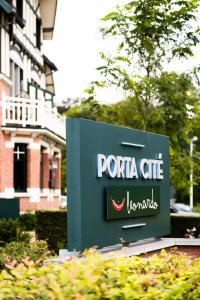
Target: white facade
22,59
5,48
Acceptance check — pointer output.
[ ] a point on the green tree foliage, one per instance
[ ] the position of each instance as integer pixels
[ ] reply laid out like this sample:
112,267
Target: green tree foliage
196,157
150,33
176,102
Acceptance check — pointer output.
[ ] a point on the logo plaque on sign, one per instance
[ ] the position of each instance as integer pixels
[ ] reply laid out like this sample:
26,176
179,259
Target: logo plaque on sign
131,202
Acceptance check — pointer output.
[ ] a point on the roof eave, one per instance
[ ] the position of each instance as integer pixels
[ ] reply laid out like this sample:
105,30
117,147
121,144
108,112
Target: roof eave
48,10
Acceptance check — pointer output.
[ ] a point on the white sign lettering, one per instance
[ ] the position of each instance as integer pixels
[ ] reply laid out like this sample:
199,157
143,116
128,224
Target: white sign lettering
148,203
127,167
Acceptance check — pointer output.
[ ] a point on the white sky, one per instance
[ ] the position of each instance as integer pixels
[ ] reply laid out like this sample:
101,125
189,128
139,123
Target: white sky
76,46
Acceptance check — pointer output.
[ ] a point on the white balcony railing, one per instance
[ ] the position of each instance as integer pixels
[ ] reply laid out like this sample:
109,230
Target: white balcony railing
35,113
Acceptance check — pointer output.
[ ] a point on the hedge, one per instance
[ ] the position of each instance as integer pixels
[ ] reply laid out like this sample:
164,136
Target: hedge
165,277
179,225
27,221
11,231
51,226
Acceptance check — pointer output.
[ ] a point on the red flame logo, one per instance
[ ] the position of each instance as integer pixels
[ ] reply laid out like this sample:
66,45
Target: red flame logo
118,207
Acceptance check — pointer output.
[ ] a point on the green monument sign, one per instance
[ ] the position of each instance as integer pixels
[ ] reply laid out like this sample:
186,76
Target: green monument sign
118,184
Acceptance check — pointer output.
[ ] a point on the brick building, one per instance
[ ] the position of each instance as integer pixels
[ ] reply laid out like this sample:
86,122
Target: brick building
32,133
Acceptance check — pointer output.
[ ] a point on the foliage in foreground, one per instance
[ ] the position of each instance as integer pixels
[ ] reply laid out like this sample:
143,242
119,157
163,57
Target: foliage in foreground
168,276
16,252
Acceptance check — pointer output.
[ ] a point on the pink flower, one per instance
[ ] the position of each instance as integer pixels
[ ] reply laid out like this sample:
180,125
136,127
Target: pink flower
194,229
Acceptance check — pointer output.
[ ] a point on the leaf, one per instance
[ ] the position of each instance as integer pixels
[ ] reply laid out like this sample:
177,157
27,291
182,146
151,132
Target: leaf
110,16
88,91
122,58
163,252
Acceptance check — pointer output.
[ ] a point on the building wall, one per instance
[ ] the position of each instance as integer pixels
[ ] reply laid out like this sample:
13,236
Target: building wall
21,67
28,54
24,50
4,47
5,180
44,204
6,167
34,197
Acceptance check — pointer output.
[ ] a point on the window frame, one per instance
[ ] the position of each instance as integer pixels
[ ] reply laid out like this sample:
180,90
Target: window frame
38,33
23,172
19,13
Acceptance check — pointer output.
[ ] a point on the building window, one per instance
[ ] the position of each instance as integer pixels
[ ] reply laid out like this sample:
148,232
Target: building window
19,13
19,8
16,74
38,33
41,168
20,167
52,173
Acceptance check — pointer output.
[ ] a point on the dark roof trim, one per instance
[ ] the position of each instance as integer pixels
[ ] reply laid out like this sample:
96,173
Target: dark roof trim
55,14
50,63
8,8
47,29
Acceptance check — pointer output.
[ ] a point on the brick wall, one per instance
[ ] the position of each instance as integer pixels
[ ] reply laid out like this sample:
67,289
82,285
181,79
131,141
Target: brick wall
44,204
5,161
33,180
33,168
192,251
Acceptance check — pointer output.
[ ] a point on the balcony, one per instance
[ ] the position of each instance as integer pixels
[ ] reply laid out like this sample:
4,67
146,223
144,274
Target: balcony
28,113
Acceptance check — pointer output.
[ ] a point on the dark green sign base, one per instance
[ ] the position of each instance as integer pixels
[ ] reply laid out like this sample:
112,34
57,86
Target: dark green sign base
90,223
9,208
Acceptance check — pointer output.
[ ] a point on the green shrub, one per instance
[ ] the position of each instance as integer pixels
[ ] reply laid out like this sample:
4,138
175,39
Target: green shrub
179,225
10,231
51,226
197,208
27,221
17,251
164,277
